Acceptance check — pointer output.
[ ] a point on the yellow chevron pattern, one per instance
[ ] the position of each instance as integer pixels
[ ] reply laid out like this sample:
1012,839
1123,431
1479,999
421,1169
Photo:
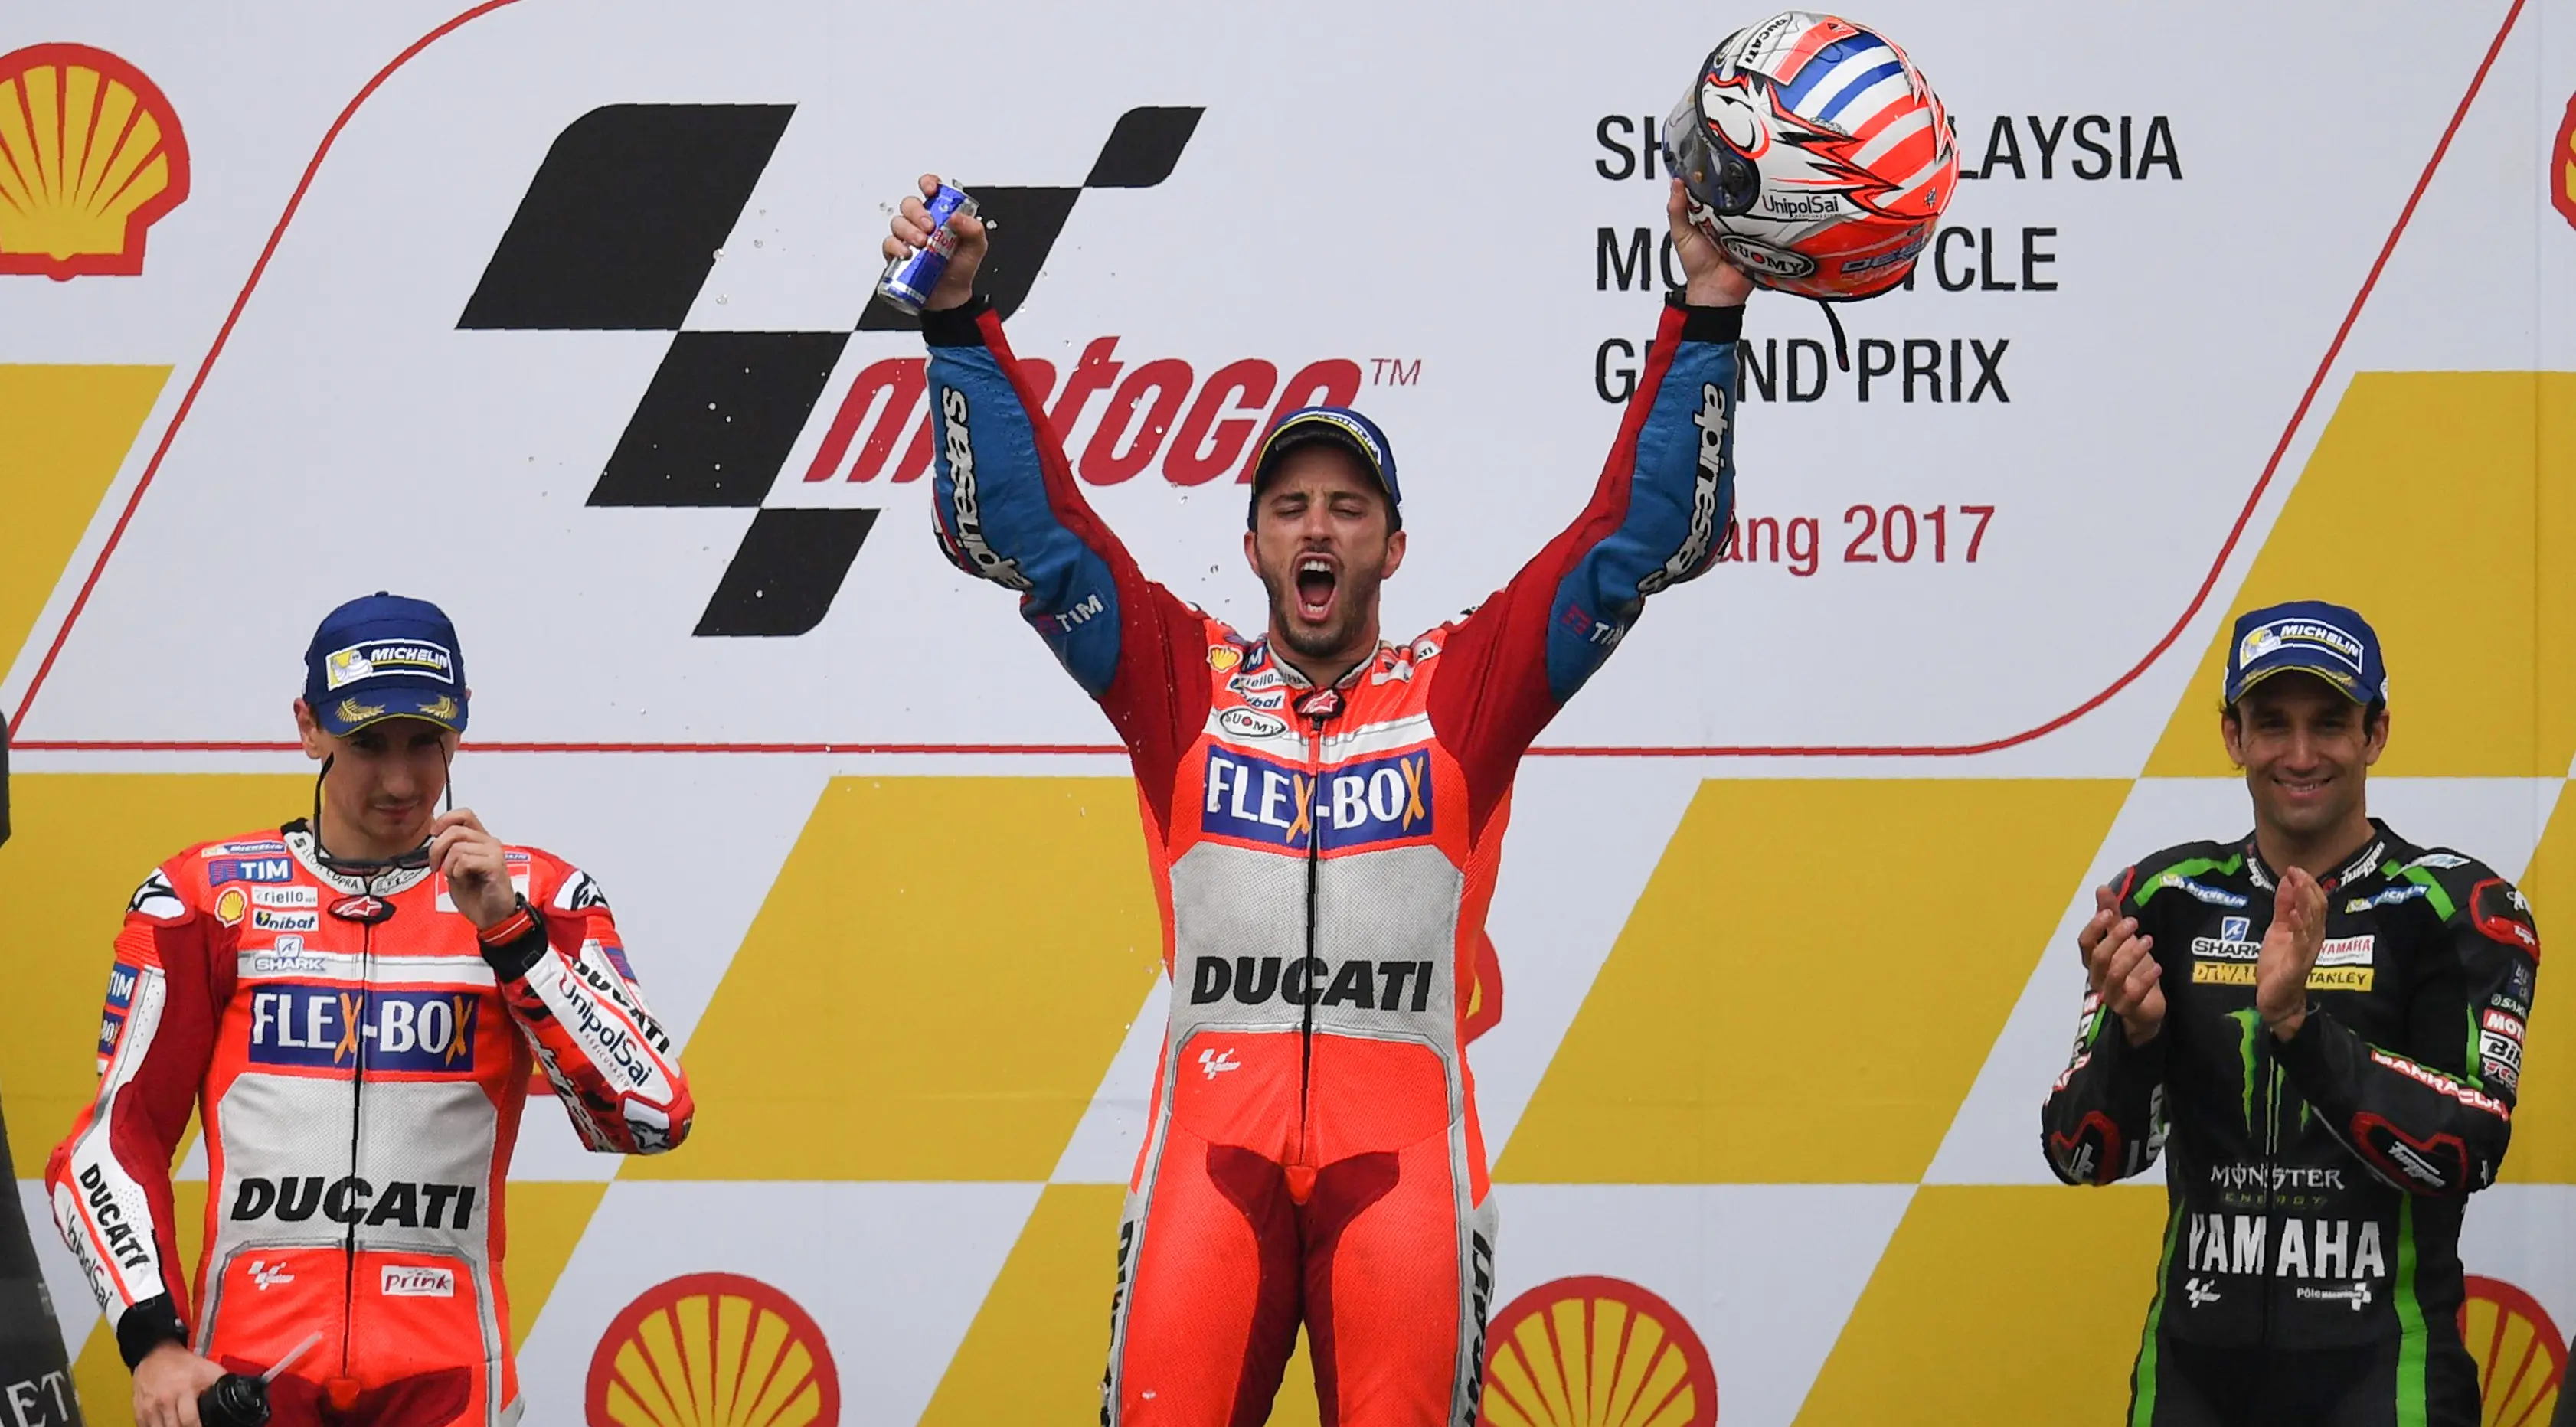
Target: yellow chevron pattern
1787,920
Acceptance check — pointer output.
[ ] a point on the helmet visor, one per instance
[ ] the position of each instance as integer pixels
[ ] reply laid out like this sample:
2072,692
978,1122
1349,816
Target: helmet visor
1716,175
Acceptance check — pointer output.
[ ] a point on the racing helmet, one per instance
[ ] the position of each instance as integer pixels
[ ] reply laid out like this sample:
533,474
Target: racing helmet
1815,154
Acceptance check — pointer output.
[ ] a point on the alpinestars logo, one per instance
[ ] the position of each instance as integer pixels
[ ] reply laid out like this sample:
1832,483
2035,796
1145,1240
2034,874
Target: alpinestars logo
619,231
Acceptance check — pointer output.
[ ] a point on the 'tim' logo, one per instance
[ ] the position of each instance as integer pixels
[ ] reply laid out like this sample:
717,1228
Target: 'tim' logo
619,231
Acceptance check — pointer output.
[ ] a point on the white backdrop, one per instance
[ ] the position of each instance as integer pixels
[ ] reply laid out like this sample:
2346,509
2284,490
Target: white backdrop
1422,192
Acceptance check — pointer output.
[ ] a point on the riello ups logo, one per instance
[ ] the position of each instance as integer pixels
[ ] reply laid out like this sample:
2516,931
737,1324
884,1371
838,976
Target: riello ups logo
622,227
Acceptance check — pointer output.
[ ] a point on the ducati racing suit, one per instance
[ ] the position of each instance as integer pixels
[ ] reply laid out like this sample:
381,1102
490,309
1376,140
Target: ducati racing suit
1323,858
2311,1268
359,1059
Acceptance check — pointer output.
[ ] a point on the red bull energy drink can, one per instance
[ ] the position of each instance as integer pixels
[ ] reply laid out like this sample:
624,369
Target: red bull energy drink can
908,280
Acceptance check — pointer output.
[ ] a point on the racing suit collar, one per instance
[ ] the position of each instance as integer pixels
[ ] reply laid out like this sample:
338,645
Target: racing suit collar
1296,678
299,840
2356,867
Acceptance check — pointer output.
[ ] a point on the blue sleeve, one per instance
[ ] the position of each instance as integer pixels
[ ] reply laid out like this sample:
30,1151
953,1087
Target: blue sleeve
1670,490
1006,504
1658,516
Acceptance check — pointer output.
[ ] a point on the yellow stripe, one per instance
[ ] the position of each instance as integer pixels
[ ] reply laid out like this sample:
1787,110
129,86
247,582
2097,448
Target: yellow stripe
1811,980
1037,1347
64,432
83,843
933,990
2442,505
2061,1275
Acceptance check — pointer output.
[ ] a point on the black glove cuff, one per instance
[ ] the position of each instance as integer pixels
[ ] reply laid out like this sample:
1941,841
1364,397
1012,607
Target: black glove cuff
955,326
1707,324
147,1325
511,959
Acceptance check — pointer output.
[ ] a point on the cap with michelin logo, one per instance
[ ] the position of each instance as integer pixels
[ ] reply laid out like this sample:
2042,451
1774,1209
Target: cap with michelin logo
1338,426
2312,637
384,656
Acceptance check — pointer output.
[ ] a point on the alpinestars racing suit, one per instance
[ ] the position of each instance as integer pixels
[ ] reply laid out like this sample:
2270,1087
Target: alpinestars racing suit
1323,858
359,1059
2311,1268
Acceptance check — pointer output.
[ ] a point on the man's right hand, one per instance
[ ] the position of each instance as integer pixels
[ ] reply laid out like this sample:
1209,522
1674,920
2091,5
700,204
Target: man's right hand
2122,968
166,1384
912,232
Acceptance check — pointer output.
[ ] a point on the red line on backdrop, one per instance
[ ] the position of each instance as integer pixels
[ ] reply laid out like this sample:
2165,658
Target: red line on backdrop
2200,597
82,745
224,334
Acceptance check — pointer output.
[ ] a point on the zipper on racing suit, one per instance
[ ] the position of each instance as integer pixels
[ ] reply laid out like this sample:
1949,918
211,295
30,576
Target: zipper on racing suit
369,910
1318,708
357,1100
2269,1070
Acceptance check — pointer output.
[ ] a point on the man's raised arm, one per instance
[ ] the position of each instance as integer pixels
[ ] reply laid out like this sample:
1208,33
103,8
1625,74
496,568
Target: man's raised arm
1657,518
1009,510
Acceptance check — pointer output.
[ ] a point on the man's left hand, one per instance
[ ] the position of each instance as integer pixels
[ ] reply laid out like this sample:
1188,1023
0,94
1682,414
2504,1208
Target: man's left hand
1713,280
2290,948
478,875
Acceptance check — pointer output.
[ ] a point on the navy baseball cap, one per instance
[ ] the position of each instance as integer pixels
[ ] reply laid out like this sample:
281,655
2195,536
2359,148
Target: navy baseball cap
1342,427
385,656
2313,637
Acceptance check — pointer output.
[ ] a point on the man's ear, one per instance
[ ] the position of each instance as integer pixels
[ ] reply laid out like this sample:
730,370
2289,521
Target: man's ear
1394,555
2376,740
2231,731
309,729
1249,556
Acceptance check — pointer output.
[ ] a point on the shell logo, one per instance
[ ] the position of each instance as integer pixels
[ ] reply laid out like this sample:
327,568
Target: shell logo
713,1350
2562,166
1595,1352
2522,1360
91,155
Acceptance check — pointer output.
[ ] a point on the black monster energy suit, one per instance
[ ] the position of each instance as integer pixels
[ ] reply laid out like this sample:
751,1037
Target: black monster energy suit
2311,1267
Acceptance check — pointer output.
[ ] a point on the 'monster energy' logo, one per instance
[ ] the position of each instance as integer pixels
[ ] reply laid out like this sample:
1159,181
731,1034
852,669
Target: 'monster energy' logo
713,1350
1549,1351
1356,805
91,156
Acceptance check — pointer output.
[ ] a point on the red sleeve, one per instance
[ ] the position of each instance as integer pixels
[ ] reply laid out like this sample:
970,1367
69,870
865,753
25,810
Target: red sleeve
570,986
109,1180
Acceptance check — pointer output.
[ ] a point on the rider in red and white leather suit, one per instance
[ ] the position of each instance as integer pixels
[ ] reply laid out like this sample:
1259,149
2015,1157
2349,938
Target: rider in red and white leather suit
1324,851
359,1055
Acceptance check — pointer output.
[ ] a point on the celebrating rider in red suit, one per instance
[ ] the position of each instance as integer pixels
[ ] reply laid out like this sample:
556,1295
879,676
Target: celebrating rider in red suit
352,1005
1325,812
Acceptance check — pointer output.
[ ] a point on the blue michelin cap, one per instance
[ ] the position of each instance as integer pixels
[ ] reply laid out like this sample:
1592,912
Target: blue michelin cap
2313,637
384,656
1344,428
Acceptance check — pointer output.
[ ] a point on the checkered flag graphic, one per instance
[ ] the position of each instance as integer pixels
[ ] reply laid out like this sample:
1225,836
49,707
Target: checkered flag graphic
618,231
